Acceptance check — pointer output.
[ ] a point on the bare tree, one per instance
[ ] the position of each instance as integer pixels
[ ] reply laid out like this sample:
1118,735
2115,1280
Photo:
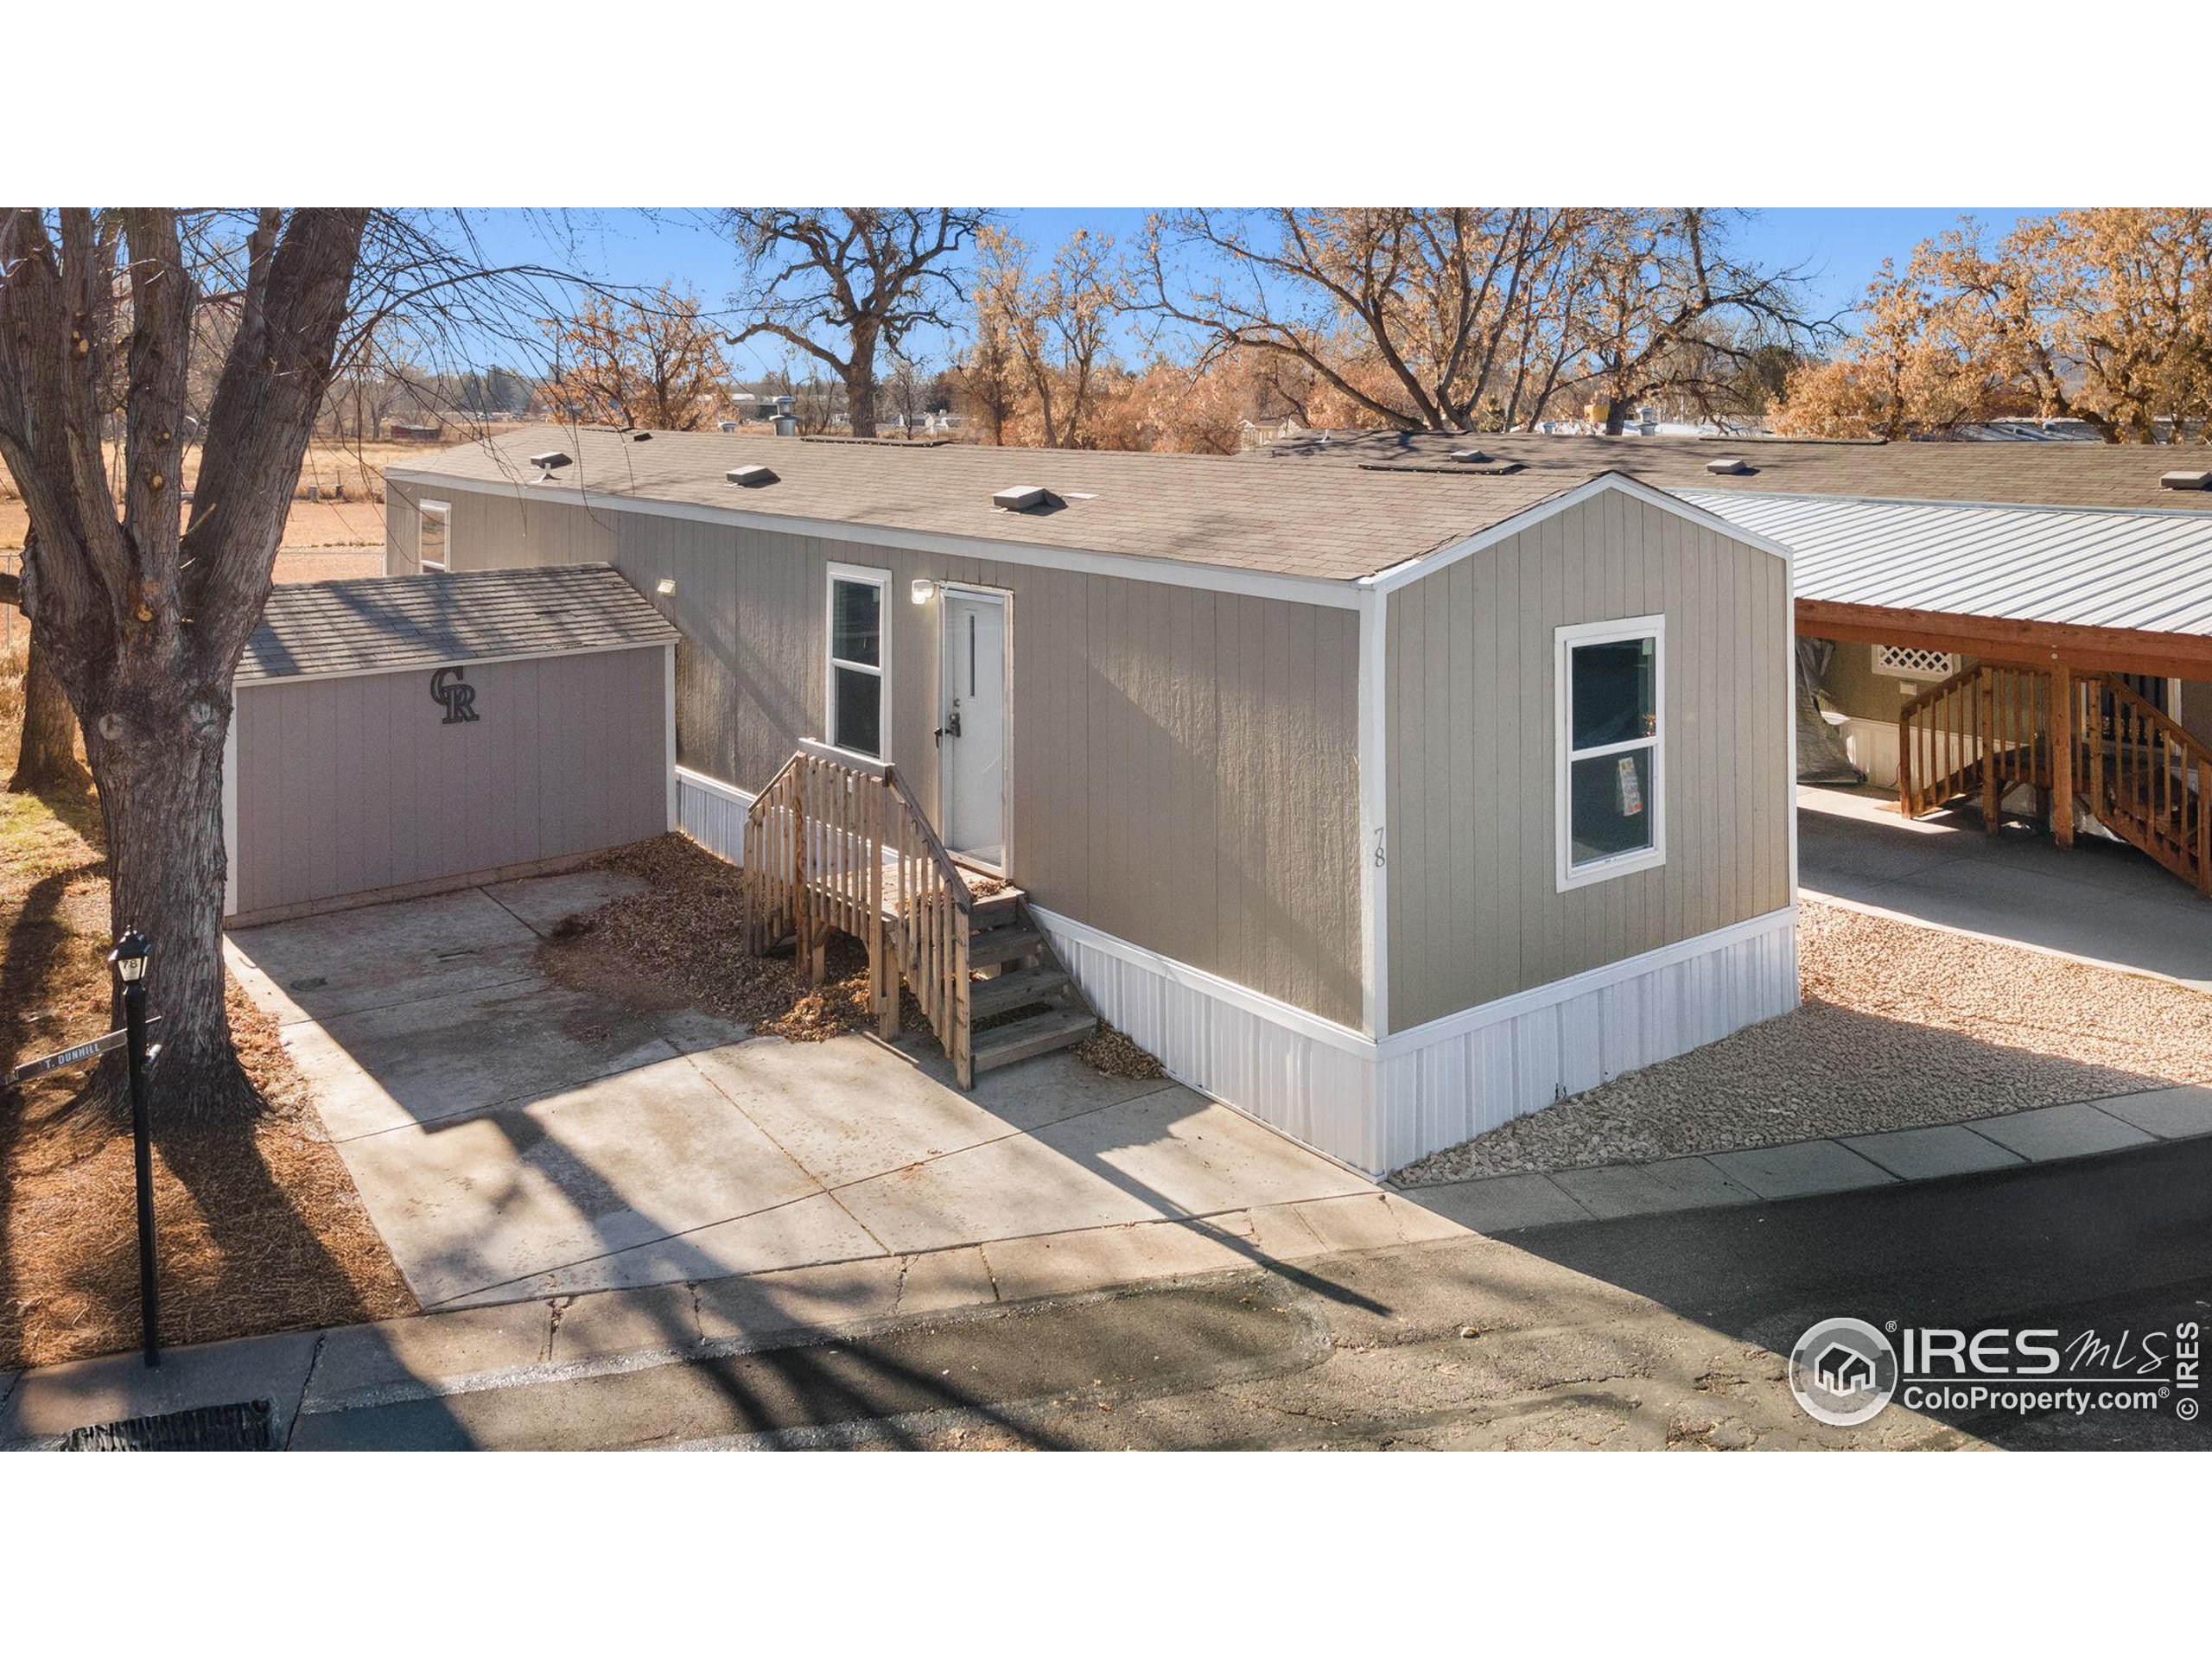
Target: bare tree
639,362
1054,322
867,277
1407,314
1666,307
144,607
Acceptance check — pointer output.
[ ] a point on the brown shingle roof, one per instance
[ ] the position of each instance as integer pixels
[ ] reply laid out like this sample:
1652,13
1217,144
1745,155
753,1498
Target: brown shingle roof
371,623
2021,475
1316,522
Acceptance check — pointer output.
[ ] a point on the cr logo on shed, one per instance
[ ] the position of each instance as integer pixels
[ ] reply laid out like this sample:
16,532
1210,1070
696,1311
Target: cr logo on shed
452,691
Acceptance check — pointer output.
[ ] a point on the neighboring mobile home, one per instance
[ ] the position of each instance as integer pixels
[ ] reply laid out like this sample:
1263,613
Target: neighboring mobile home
1384,806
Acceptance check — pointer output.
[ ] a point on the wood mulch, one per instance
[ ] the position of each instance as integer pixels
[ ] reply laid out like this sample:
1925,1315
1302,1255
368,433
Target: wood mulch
260,1228
676,936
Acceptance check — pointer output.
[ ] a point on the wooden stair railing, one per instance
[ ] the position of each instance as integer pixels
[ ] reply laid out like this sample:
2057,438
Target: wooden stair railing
835,843
838,843
1982,733
2145,778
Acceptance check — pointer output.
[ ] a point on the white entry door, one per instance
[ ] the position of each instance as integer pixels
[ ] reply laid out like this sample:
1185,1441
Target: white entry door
972,738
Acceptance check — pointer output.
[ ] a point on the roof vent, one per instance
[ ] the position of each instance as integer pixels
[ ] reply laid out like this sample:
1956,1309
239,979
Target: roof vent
749,477
2185,480
1022,498
1471,457
1734,466
550,461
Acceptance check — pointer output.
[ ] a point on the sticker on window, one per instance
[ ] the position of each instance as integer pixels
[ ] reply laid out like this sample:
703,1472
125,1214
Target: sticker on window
1632,787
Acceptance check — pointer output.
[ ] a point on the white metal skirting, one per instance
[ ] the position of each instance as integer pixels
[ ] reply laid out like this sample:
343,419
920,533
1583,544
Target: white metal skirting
1456,1078
712,813
1378,1106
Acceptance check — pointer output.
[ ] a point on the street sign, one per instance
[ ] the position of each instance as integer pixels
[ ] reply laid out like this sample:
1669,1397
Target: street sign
69,1056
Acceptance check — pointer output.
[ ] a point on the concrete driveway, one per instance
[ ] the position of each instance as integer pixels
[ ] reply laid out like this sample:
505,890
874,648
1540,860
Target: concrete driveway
515,1139
2101,902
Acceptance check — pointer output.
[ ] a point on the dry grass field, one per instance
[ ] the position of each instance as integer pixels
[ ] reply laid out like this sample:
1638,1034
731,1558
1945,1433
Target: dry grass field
339,503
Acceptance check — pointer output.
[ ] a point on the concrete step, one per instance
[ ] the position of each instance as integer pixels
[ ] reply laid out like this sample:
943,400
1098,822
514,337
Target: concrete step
1025,985
1038,1034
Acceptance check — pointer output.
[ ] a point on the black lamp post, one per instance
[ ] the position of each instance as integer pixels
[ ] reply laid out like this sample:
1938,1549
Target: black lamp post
129,960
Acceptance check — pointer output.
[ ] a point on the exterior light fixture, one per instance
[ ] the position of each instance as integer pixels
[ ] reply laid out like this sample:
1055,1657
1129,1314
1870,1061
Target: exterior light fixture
922,590
129,956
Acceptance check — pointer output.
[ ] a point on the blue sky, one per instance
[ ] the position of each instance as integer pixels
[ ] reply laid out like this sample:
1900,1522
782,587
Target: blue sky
1839,247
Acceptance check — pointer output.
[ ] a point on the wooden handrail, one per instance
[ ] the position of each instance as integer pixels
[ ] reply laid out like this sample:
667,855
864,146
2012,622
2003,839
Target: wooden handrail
839,841
2152,781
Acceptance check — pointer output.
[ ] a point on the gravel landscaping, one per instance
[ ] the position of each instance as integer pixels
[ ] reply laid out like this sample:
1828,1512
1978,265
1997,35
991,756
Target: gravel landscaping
1901,1027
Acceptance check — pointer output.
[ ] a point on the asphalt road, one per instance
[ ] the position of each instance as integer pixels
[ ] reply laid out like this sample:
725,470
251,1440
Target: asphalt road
1653,1331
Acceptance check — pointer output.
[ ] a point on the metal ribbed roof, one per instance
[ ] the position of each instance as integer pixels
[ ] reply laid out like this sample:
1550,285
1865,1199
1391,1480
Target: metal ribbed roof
2105,569
368,623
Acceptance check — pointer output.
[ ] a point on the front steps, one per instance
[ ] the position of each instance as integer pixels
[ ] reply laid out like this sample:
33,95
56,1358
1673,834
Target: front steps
1021,1002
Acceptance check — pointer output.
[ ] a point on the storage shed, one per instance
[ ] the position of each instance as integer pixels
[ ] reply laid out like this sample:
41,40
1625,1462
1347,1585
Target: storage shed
393,737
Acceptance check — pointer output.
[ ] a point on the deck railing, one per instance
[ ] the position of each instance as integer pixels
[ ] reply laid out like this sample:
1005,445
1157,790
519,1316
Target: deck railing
2144,777
2090,739
1983,732
836,842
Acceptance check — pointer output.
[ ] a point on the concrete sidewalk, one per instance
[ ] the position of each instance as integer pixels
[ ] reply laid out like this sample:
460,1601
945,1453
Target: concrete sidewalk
312,1378
1796,1169
2101,902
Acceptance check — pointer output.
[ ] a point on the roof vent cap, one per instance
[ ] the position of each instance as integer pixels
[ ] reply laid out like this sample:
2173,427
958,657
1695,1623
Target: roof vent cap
2199,480
1472,457
1022,498
750,478
1734,466
550,460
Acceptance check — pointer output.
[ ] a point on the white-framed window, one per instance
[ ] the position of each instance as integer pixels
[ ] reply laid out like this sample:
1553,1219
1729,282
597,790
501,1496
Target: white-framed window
857,697
1914,663
434,535
1612,748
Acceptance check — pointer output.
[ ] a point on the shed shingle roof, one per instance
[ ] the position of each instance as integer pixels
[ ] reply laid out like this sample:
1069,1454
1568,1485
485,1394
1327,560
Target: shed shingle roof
372,623
1210,510
2020,474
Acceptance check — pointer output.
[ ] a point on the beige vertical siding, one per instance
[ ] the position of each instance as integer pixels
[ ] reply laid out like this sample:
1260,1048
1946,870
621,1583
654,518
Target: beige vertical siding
1474,910
1184,763
353,784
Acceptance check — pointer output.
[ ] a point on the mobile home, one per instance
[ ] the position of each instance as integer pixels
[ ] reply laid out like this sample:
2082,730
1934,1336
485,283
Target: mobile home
1382,803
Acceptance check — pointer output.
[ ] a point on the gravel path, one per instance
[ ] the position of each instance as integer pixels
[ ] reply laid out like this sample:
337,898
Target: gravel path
1901,1026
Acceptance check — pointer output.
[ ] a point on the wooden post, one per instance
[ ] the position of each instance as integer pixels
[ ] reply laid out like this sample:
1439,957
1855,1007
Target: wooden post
1906,738
802,900
1985,716
2062,758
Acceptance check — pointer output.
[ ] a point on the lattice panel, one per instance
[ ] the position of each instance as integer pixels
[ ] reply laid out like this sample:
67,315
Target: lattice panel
1911,663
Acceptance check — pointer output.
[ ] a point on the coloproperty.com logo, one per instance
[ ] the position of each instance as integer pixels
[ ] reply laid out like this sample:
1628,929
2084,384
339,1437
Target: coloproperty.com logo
1843,1371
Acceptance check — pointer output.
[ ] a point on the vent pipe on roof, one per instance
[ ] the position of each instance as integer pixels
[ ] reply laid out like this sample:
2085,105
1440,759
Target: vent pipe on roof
2185,480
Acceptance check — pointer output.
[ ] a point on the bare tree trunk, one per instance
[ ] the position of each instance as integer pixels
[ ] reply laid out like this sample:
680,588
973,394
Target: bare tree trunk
859,396
158,753
47,758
